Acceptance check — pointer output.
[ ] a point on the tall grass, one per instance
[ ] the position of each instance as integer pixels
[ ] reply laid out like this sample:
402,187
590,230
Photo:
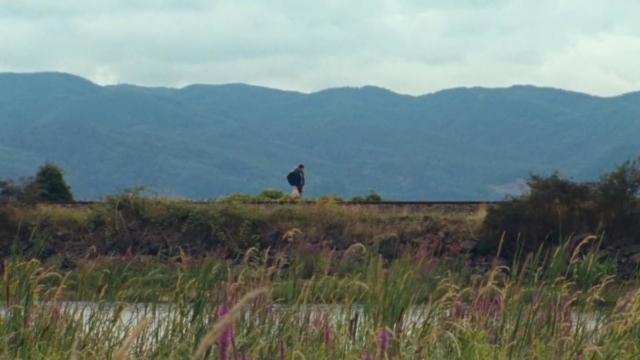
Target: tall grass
161,227
548,306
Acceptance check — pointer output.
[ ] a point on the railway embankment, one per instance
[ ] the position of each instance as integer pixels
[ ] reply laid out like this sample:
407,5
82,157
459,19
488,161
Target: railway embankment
164,228
124,227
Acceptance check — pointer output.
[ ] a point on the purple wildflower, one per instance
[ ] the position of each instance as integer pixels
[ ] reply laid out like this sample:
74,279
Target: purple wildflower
536,299
383,344
566,309
310,249
431,264
453,248
56,313
368,357
565,315
281,349
221,253
327,334
227,336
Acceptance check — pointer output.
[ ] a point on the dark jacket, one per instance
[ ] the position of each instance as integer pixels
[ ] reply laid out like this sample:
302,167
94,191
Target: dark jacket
298,177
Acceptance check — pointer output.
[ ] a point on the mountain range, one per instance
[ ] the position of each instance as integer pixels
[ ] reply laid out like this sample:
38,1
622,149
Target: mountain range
207,141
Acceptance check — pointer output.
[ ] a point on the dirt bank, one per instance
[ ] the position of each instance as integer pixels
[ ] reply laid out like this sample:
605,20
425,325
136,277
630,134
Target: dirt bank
162,228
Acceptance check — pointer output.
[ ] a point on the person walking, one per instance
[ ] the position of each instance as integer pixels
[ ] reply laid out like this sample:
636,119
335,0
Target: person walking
296,179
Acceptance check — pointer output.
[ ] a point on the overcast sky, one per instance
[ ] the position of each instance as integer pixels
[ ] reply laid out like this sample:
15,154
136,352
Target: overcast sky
412,46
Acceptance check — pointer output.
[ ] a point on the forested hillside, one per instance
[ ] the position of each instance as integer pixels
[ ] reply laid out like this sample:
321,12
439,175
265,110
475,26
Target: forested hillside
205,141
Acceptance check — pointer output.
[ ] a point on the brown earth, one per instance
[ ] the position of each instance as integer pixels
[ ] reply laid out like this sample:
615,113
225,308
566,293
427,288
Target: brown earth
167,228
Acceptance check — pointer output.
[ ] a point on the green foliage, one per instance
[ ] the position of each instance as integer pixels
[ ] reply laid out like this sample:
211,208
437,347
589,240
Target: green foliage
423,311
617,201
50,179
269,195
47,185
272,195
371,197
24,190
330,198
555,207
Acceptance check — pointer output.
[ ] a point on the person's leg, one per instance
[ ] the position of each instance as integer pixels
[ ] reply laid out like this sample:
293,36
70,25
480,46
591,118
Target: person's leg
295,194
300,190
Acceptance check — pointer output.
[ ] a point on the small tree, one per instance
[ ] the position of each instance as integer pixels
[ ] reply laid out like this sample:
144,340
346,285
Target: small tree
373,197
618,200
50,179
24,190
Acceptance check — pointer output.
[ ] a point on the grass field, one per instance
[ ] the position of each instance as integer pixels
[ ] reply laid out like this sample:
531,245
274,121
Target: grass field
136,278
413,308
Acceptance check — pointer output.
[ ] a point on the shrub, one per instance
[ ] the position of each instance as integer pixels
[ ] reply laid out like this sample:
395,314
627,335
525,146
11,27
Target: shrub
24,190
555,207
272,195
617,201
269,195
47,185
371,197
50,178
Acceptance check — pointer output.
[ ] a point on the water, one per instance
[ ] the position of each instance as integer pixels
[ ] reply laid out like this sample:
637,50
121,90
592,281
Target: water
120,318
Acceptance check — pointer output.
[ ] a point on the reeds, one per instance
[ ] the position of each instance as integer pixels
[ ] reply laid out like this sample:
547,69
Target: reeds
546,307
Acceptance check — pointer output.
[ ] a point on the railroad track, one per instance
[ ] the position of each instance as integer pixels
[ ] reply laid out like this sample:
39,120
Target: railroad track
344,203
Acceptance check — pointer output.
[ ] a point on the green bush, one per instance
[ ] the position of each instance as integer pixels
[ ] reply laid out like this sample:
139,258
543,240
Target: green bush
50,178
24,190
371,197
272,195
555,207
617,201
47,185
269,195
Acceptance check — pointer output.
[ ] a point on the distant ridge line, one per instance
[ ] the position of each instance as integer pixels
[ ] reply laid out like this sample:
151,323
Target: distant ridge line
347,203
342,87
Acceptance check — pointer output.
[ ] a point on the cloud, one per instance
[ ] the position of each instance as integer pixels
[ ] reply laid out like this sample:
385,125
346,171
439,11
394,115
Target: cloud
408,46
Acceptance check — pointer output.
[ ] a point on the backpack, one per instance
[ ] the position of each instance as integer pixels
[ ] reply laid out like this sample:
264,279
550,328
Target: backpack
291,178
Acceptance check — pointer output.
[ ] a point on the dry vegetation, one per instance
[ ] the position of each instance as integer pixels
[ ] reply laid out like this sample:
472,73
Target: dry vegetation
416,307
163,227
